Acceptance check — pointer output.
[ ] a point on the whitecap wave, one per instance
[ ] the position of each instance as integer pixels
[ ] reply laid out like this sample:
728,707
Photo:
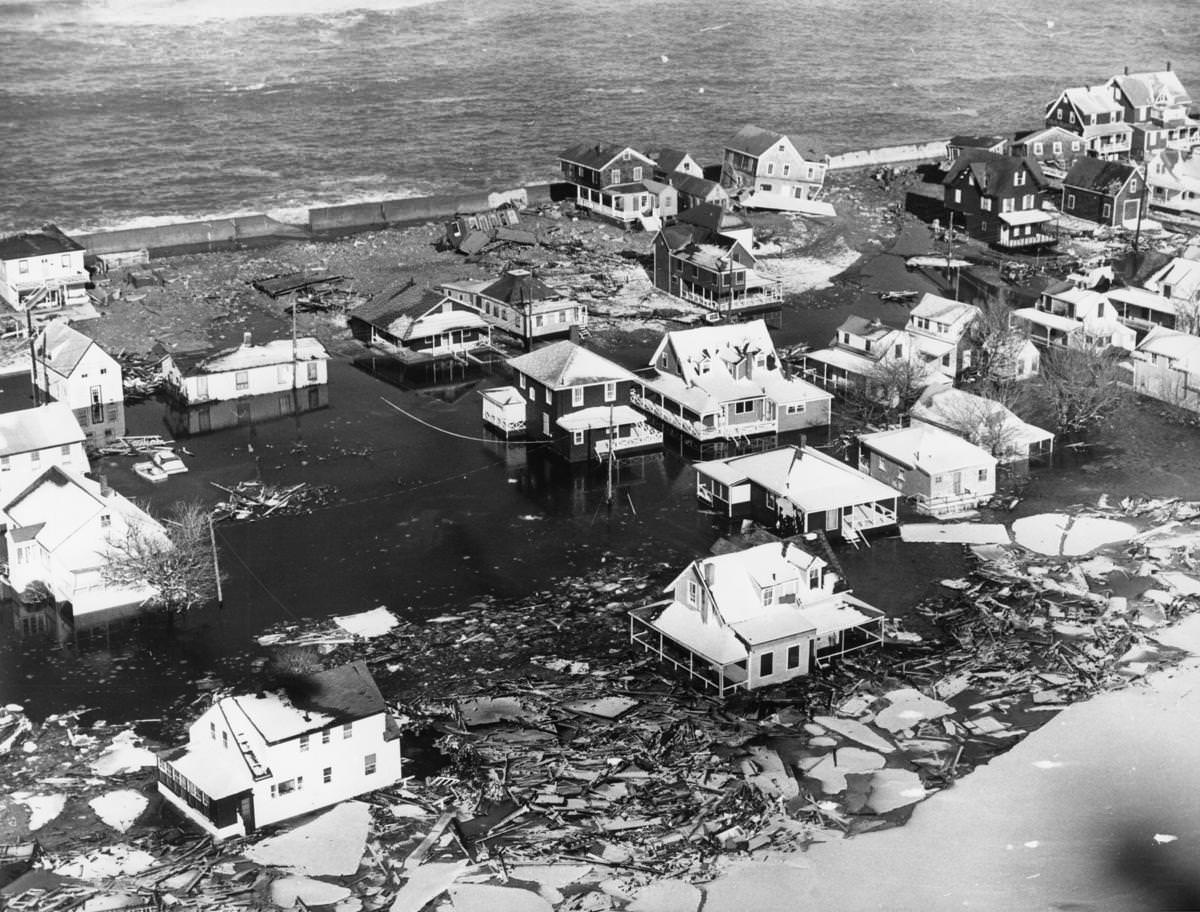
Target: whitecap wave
195,12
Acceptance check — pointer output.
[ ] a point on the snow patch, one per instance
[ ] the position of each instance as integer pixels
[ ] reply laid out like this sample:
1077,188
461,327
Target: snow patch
119,809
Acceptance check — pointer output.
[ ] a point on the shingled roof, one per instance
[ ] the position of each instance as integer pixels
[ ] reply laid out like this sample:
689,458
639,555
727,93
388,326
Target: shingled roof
1099,176
519,286
991,170
49,240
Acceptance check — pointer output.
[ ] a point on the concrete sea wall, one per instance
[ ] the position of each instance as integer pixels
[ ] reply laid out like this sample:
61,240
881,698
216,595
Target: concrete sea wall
888,155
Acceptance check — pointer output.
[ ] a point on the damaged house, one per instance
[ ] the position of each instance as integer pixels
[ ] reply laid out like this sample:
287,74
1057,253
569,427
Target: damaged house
617,183
753,618
252,760
762,169
71,368
419,324
249,369
939,472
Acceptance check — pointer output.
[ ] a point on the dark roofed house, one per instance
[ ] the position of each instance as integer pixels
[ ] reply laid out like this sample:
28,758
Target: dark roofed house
520,303
42,270
988,143
419,324
671,162
995,198
617,183
1106,192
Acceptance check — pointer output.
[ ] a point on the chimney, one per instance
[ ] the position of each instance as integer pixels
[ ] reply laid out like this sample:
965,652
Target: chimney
1126,69
246,338
710,574
105,490
1168,66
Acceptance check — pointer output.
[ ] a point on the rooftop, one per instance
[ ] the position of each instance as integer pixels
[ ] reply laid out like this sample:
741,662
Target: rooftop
1099,175
931,450
49,425
564,364
47,241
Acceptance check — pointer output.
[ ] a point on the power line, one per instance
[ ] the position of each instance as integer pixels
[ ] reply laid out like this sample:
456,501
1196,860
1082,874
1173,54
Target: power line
434,427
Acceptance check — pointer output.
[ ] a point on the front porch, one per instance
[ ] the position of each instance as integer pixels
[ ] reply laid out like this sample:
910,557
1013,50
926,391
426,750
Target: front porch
637,438
712,426
725,678
765,297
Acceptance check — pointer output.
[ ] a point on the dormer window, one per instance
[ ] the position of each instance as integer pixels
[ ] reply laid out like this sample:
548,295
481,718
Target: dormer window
1019,178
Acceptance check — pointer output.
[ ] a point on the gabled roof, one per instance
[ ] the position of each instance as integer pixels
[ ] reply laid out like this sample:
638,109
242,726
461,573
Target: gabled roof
1046,134
931,450
49,240
600,155
945,310
966,414
1089,100
1179,346
1098,175
705,348
755,141
406,299
61,347
992,170
1181,169
1146,89
693,185
565,364
866,328
38,428
976,142
315,701
1182,275
669,159
519,286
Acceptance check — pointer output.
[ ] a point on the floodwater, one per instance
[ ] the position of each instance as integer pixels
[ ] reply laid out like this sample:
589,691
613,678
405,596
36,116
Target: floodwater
430,511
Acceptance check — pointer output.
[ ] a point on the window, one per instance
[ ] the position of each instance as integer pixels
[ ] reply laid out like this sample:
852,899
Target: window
898,352
766,664
347,730
538,320
767,187
212,730
549,396
619,203
521,381
1107,210
325,735
225,740
637,174
327,775
577,438
1058,113
610,391
1071,116
1133,185
1006,205
1057,148
105,520
768,595
562,316
616,175
282,373
4,464
1027,201
787,170
66,449
744,407
983,474
312,371
986,204
241,380
691,592
946,360
577,395
1074,145
369,765
304,742
770,168
958,196
795,408
545,425
290,785
1037,148
793,657
35,457
1070,200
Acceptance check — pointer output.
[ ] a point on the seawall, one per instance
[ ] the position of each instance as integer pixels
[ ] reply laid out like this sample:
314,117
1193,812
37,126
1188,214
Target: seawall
324,222
889,155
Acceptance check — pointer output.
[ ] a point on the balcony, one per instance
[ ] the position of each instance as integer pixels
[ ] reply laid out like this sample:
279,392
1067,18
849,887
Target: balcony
720,430
732,302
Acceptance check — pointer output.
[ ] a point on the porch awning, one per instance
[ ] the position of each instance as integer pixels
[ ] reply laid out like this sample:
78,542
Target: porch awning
1025,217
841,614
713,642
1049,320
600,416
218,773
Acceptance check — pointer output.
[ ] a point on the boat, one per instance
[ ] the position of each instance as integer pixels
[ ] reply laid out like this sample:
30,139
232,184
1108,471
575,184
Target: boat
149,471
168,462
899,297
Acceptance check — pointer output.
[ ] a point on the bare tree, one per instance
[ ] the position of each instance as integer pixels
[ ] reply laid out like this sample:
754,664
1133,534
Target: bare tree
1079,389
985,422
178,565
889,389
999,346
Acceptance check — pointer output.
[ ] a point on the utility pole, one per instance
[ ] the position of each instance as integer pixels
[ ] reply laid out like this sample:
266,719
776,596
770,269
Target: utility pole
32,355
1137,234
212,537
608,496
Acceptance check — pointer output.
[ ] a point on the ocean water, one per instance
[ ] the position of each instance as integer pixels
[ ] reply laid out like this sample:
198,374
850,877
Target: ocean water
119,112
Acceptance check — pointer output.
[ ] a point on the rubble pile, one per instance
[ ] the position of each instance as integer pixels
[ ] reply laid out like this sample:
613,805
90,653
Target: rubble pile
249,500
141,375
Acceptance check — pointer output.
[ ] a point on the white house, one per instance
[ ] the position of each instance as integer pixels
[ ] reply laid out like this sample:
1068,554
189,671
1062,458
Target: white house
256,759
940,472
726,383
74,370
419,324
58,532
1179,282
617,182
860,355
42,270
757,617
1066,315
1166,366
763,169
34,439
1173,181
797,488
247,370
984,422
940,332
